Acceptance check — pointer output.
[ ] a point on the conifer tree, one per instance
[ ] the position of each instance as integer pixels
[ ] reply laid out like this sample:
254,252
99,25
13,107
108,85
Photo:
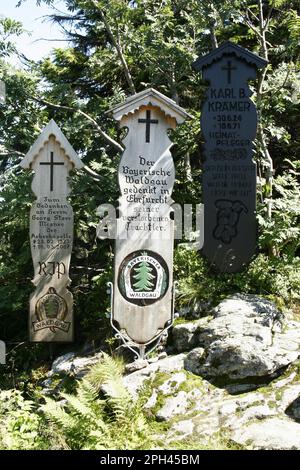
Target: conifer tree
143,276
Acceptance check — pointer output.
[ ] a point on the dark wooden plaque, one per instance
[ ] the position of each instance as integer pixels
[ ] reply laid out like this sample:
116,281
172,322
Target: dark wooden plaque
229,122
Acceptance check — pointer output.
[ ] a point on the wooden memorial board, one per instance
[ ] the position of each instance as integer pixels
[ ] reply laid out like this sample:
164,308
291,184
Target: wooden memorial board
229,122
2,352
2,92
51,236
143,280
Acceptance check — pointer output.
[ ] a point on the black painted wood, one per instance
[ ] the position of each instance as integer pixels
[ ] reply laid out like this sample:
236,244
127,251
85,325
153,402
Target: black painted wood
52,163
148,121
229,122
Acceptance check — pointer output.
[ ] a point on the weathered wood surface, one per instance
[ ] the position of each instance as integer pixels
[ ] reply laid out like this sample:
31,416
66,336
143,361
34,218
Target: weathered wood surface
2,352
51,236
229,122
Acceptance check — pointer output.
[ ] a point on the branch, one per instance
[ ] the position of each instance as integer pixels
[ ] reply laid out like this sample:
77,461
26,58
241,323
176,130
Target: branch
93,174
213,37
262,30
260,131
6,152
248,10
268,18
111,141
118,47
251,26
259,32
51,40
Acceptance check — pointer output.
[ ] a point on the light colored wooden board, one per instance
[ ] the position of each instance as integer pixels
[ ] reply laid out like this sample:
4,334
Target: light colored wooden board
143,280
51,236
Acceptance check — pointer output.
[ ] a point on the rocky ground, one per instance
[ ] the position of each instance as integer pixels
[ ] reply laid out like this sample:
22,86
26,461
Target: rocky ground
232,380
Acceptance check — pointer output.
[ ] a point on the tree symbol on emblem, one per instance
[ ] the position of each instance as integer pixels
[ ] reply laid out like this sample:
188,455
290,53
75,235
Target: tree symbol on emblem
51,307
143,276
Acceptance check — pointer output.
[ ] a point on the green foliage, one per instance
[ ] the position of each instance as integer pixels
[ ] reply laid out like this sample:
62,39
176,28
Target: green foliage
159,41
77,421
282,232
87,422
20,427
8,28
111,369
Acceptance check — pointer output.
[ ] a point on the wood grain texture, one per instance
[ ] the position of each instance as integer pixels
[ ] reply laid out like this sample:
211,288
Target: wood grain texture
143,279
51,236
229,122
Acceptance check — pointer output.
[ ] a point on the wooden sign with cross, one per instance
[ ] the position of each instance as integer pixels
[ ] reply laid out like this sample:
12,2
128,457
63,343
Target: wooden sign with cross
229,122
143,281
51,235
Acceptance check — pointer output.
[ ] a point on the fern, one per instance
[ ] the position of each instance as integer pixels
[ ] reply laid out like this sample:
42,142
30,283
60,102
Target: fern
109,369
80,420
78,406
58,415
87,391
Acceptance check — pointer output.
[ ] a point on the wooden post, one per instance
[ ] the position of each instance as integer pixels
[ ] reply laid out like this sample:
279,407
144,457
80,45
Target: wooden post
51,236
143,279
229,122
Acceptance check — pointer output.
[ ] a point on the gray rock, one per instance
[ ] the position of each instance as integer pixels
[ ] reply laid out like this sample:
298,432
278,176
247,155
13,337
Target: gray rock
283,382
69,364
185,427
46,384
289,395
135,381
172,384
151,360
270,434
62,364
162,355
228,408
173,406
194,360
249,399
185,335
240,342
82,365
296,412
264,311
235,389
152,400
258,412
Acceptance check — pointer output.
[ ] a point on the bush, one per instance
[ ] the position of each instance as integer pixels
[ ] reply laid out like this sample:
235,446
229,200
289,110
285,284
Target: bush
275,277
80,420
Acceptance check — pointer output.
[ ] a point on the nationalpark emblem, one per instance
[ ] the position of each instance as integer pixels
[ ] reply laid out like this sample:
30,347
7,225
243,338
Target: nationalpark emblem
51,311
143,277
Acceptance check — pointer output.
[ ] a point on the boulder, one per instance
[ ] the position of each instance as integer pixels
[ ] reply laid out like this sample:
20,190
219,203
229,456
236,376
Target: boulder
77,366
136,365
135,381
245,339
186,335
172,384
173,406
62,364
